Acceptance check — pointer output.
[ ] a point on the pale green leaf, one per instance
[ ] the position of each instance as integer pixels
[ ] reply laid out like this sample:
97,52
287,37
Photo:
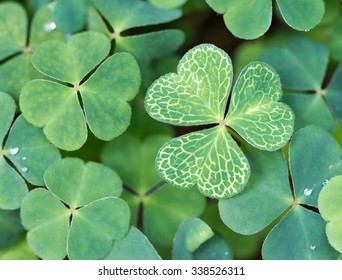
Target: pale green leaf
255,112
198,93
56,108
209,159
18,251
302,14
330,207
11,229
106,93
134,246
78,184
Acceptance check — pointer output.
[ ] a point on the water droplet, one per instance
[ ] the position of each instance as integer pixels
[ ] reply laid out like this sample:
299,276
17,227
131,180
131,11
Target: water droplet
50,26
312,247
24,169
24,158
307,192
326,181
306,30
52,5
14,151
330,166
226,253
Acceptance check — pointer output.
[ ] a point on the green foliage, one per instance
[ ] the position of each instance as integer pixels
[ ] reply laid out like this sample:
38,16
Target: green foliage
16,46
26,149
90,169
162,207
56,106
300,233
196,95
74,211
310,59
329,204
251,19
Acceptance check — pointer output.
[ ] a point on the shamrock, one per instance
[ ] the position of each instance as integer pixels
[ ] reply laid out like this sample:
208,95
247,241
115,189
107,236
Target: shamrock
298,231
197,95
79,215
80,96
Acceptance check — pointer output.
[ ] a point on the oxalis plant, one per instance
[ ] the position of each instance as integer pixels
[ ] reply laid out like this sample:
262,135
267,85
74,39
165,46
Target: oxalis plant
127,132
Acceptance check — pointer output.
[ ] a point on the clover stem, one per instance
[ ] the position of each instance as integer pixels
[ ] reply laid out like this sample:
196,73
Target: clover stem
1,152
320,91
77,87
295,203
72,210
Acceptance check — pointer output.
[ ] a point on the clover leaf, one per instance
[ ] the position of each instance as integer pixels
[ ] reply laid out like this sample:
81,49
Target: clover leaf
310,61
24,155
134,246
18,251
195,240
11,229
251,19
65,218
197,95
300,232
329,204
16,46
64,110
162,208
122,16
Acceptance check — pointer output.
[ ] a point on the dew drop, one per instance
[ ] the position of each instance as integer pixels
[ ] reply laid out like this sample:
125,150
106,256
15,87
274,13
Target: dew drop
24,158
307,192
52,5
226,253
24,169
14,151
326,181
50,26
312,247
306,30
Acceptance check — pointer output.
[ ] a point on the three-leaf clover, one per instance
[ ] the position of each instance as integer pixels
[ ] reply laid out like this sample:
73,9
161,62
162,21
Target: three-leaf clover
122,16
330,207
161,207
301,64
79,215
24,155
250,19
269,195
198,95
64,108
16,46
